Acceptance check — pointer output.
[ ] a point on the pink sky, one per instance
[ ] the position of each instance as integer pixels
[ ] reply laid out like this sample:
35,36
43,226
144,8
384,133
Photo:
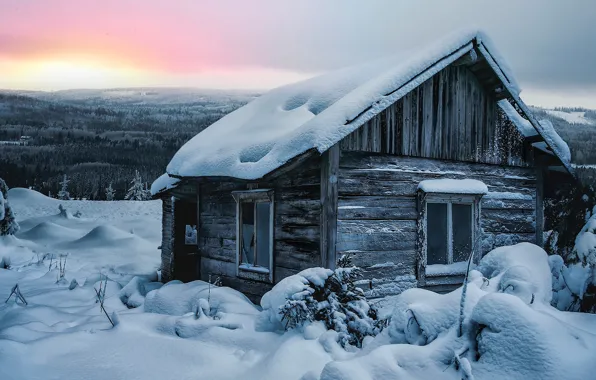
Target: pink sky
258,44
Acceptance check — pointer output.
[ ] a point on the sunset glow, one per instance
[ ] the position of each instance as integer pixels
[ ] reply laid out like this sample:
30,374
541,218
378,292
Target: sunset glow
61,44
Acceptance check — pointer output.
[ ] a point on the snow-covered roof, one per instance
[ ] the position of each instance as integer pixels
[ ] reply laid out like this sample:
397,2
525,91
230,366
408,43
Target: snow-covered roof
555,142
317,113
162,183
453,186
523,125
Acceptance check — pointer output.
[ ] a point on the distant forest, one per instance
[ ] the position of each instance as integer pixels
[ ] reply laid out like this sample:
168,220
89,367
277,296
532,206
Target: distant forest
98,140
100,137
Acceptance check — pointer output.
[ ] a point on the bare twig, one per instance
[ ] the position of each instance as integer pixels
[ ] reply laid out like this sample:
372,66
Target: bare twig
463,298
18,295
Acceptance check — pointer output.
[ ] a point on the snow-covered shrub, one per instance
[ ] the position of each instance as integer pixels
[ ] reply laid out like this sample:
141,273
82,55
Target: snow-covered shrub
8,223
330,297
566,211
574,284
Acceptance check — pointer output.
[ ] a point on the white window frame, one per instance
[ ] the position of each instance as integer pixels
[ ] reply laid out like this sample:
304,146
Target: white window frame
257,273
445,198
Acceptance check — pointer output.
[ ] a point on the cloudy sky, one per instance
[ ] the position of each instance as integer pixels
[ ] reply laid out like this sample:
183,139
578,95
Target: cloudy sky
258,44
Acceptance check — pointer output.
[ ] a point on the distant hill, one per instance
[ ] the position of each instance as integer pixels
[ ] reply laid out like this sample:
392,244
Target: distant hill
98,137
577,126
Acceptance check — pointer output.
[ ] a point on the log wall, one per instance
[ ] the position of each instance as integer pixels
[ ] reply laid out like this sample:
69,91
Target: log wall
297,209
167,236
377,213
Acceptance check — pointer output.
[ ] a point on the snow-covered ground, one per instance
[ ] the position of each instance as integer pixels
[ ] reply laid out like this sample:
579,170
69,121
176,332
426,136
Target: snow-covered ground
572,117
199,331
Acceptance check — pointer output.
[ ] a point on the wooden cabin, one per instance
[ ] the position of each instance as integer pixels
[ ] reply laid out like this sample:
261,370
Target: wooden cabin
361,181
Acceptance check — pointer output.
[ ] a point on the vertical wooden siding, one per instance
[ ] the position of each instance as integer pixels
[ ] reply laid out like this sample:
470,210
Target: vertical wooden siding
450,116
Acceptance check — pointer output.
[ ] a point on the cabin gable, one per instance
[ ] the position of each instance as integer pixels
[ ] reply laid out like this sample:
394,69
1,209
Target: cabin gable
451,116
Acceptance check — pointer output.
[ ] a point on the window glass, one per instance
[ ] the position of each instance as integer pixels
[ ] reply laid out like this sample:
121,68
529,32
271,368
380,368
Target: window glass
462,232
263,233
436,233
248,230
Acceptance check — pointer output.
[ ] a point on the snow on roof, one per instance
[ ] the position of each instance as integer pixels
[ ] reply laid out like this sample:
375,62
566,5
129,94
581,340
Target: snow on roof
317,113
453,186
523,125
162,183
558,145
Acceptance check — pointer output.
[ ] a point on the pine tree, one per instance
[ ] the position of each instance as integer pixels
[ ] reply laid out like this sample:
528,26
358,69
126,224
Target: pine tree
8,224
136,191
110,192
147,192
339,304
63,193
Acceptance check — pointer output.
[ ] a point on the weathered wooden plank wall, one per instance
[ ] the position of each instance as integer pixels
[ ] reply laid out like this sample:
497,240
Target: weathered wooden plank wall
167,235
450,116
296,230
377,212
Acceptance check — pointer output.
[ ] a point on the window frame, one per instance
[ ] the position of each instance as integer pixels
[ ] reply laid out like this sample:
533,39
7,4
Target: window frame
422,243
256,273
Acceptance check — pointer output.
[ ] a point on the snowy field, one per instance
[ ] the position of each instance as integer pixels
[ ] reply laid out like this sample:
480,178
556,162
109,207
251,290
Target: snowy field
572,117
198,331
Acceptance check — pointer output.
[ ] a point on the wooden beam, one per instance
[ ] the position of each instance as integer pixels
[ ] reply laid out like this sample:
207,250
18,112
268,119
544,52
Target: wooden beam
198,187
533,139
468,59
328,227
540,206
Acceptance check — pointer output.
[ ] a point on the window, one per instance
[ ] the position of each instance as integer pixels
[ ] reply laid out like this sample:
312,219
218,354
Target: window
449,231
254,240
448,227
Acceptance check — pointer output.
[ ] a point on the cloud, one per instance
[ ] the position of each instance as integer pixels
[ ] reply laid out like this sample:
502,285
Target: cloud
548,44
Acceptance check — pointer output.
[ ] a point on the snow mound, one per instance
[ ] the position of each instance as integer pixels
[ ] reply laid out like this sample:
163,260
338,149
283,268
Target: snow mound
103,236
506,334
177,298
317,113
521,267
519,342
24,196
47,232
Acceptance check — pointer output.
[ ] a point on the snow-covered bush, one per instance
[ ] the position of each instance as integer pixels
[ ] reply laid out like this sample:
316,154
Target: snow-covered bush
574,284
8,223
319,294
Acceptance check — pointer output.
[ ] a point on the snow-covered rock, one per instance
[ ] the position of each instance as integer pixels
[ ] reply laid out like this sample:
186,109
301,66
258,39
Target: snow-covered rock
177,298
